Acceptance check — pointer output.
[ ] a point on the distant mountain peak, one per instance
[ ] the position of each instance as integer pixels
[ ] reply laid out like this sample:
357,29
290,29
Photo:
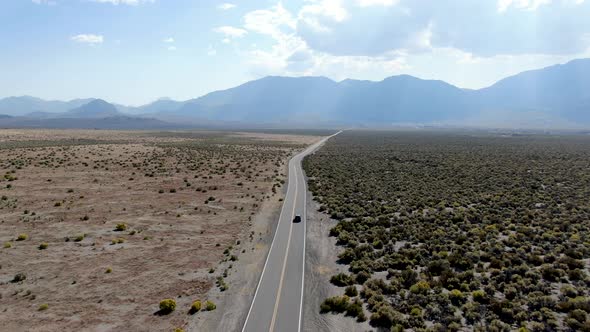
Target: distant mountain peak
97,108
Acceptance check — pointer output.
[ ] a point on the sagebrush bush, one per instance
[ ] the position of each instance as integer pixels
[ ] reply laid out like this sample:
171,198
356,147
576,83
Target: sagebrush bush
120,227
195,307
351,291
118,240
167,306
210,306
337,304
19,277
341,280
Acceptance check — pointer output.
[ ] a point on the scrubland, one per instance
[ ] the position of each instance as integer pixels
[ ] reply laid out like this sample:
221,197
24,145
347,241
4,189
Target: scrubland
114,230
466,231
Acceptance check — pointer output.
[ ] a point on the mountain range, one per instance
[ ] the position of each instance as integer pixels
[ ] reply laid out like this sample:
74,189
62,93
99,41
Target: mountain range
556,96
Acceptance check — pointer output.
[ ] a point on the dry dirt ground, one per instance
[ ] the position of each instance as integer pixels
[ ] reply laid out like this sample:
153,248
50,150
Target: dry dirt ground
194,211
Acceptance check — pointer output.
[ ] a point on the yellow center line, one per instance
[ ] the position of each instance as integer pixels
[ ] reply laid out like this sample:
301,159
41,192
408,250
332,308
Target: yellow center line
274,314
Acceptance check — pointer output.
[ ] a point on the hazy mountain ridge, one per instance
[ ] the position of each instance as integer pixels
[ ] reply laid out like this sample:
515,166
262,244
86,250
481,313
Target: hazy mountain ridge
557,94
97,108
19,106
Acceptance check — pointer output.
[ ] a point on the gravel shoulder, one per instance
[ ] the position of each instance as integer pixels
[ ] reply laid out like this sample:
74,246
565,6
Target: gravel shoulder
320,257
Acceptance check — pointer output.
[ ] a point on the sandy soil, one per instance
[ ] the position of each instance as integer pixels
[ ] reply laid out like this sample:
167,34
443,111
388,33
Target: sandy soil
243,276
184,200
321,256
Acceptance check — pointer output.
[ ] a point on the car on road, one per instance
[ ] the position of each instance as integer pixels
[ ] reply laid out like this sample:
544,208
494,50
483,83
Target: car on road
297,218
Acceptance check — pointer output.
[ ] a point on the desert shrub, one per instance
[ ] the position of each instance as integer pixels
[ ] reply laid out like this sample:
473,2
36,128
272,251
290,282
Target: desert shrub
337,304
421,287
456,297
19,277
578,314
195,307
108,270
550,273
79,237
362,277
120,227
43,307
479,296
43,246
580,302
221,282
341,280
22,237
355,309
210,306
167,306
351,291
118,240
7,245
385,316
569,291
438,266
576,275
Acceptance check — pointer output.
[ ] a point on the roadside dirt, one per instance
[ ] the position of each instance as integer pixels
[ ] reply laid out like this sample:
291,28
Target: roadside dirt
321,256
244,274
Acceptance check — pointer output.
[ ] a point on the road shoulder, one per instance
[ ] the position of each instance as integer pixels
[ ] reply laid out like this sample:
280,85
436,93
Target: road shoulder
321,255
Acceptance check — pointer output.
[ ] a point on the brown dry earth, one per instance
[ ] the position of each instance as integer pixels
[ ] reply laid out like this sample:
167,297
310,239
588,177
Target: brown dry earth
185,199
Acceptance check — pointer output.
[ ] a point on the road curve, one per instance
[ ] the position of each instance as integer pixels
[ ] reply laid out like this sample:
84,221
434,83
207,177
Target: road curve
278,301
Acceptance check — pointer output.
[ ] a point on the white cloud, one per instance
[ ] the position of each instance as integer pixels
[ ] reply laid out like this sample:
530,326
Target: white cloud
270,22
124,2
88,39
231,32
384,3
168,40
226,6
333,9
342,39
290,54
316,11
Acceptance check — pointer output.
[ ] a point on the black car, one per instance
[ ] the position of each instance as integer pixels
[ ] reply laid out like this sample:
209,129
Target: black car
297,218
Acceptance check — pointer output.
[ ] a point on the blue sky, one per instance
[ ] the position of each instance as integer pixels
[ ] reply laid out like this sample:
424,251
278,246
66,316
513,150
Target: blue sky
135,51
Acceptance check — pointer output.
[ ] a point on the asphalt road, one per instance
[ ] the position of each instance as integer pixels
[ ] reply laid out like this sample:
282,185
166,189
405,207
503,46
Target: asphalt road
278,300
